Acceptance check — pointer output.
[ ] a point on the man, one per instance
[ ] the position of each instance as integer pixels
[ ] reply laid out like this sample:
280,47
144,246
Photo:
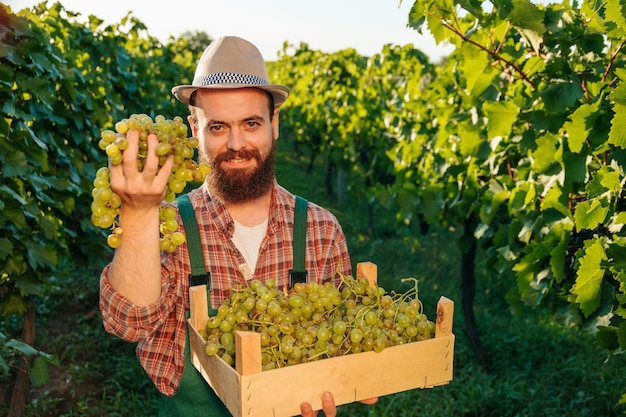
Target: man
245,222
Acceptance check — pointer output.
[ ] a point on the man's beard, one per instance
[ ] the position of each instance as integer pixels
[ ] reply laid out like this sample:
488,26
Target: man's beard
241,185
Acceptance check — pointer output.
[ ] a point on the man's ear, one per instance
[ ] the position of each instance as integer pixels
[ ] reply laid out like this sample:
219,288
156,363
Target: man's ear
275,124
193,125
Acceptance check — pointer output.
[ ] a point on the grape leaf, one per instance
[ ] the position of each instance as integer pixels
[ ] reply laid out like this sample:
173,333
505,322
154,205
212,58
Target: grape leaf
544,155
470,138
526,15
13,161
557,200
579,124
591,213
575,167
612,181
621,335
39,373
559,253
591,10
606,338
6,248
42,255
615,11
589,276
559,96
617,134
23,348
472,66
618,95
594,186
501,117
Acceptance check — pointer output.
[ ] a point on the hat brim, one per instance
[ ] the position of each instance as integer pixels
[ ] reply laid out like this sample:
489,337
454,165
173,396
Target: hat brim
183,92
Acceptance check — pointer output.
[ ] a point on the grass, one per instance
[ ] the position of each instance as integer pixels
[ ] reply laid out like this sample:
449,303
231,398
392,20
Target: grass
540,368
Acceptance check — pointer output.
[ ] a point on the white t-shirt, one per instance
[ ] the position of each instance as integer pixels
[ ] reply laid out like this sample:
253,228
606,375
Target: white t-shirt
248,241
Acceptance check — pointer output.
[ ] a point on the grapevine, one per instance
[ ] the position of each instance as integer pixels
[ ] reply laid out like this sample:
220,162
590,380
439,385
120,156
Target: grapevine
173,140
316,321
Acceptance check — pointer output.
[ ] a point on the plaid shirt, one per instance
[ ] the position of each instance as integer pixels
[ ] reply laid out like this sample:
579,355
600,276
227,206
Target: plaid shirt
160,328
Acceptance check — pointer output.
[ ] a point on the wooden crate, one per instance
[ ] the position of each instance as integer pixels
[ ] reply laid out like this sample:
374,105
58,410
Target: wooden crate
248,391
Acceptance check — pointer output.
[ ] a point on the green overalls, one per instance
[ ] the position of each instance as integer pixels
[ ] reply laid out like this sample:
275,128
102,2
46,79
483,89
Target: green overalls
195,398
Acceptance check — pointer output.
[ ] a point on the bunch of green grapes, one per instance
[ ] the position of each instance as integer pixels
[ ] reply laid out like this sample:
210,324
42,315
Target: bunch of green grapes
316,321
173,140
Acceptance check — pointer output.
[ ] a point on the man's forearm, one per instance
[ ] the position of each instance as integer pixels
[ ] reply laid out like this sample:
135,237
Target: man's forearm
136,268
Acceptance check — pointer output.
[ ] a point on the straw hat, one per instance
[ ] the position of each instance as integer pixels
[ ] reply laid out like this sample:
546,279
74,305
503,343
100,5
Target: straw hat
231,62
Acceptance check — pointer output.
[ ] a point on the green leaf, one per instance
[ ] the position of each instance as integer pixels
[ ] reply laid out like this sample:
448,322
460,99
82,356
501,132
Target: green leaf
579,124
532,275
561,95
39,372
612,181
526,15
533,65
617,134
472,67
3,364
557,200
23,348
501,117
615,11
545,154
575,167
13,161
594,186
29,284
606,338
45,255
470,138
559,253
621,335
589,214
618,95
591,10
6,248
587,287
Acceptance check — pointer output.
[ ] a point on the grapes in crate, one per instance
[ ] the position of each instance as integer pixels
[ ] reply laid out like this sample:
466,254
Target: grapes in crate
316,321
173,140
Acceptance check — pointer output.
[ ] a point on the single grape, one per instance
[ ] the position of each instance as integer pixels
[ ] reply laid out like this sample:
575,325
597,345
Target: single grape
114,240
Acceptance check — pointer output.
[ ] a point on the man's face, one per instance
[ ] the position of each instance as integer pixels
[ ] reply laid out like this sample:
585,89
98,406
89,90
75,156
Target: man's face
238,139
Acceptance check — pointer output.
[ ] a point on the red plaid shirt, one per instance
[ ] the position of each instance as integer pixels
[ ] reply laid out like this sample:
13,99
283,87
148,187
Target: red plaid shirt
160,328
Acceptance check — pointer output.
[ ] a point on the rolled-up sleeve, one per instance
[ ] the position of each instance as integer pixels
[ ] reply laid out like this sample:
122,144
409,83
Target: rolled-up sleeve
128,321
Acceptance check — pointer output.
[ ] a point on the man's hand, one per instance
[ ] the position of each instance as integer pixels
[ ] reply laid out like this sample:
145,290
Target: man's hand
328,406
145,189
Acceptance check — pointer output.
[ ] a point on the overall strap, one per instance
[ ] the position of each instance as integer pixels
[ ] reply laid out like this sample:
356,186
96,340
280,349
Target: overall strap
199,273
299,272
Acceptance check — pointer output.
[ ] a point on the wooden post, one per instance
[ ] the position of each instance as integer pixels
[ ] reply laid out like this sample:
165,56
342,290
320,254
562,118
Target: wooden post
199,306
248,348
368,270
445,313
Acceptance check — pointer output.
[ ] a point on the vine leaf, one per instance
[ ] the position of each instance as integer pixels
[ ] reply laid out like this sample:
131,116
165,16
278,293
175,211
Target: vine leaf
579,125
526,15
589,276
501,116
617,134
616,12
589,214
